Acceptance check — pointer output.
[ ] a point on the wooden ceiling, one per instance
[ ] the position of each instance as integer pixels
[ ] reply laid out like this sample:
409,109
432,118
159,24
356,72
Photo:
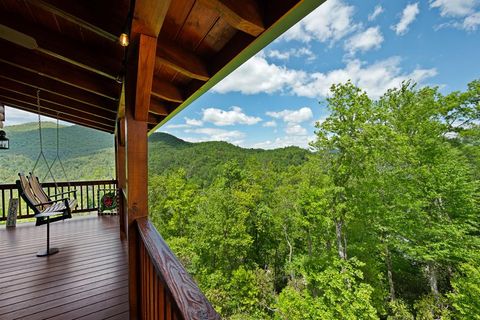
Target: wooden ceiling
69,51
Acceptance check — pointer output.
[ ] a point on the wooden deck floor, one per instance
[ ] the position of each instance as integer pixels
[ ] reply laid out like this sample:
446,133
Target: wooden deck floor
87,279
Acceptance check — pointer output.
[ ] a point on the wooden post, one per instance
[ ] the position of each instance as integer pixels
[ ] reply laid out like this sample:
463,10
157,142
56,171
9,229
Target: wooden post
120,172
138,87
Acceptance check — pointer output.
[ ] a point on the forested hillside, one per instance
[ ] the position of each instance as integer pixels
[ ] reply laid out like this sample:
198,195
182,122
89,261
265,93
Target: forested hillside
380,222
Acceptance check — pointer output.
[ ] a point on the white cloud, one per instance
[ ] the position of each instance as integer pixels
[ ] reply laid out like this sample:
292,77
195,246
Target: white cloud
454,8
292,116
221,117
259,76
214,134
270,124
299,141
296,53
15,116
376,12
256,76
371,38
464,13
295,129
193,122
330,22
177,126
472,22
375,79
408,16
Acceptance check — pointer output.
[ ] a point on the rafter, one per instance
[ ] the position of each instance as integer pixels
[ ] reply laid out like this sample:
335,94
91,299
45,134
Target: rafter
37,81
58,70
56,108
55,99
75,17
156,107
242,15
63,48
65,117
181,60
148,17
166,91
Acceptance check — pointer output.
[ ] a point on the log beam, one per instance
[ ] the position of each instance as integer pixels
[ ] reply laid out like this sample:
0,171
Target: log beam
77,15
166,91
59,109
49,113
181,60
156,107
54,99
242,15
46,84
58,70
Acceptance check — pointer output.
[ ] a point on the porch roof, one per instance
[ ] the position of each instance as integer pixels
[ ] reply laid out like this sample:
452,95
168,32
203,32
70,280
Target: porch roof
69,51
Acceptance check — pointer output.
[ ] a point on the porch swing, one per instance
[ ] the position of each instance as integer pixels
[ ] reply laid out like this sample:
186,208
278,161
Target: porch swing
46,208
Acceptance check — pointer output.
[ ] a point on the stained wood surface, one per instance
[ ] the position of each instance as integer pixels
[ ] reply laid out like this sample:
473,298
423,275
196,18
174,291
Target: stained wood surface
164,279
87,279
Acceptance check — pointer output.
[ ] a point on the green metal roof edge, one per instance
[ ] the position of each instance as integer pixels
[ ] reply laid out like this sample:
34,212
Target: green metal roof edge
283,24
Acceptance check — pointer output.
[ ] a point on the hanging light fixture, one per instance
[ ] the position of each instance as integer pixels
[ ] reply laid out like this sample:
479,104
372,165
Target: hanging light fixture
4,142
123,40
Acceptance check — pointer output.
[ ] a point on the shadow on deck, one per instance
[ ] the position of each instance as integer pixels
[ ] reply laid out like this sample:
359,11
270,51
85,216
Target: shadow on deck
87,279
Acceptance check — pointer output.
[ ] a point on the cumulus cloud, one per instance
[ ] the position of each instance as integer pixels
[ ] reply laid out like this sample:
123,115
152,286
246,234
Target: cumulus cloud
15,116
330,22
221,117
454,8
215,134
292,116
376,12
295,129
270,124
375,78
369,39
292,53
256,76
409,15
193,122
463,12
299,141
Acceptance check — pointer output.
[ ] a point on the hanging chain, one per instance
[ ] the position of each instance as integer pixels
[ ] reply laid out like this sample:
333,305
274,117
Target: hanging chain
39,120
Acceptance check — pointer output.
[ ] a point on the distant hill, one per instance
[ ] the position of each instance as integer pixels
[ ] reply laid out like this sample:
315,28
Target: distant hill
88,154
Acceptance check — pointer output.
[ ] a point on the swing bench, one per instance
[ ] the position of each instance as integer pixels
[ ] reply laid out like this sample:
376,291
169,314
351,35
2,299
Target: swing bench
45,208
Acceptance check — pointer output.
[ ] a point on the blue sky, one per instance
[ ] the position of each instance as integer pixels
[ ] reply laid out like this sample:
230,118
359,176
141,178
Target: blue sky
274,99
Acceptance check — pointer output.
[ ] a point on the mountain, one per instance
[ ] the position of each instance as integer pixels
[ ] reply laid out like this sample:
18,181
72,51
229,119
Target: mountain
89,154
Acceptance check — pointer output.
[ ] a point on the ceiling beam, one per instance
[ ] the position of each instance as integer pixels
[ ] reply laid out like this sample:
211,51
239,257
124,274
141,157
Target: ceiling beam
64,117
53,86
62,110
154,119
148,17
75,14
55,99
156,107
166,91
104,63
242,15
181,60
58,70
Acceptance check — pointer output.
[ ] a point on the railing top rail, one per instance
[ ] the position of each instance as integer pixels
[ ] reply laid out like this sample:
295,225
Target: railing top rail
190,300
6,186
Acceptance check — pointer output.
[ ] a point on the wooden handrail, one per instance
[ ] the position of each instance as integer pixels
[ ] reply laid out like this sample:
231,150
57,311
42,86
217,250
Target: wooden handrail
87,195
173,288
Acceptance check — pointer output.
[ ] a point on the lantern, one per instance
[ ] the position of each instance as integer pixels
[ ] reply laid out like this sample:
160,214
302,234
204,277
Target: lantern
4,142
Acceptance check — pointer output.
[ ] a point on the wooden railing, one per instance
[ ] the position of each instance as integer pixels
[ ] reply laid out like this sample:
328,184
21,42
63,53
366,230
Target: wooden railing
166,289
87,195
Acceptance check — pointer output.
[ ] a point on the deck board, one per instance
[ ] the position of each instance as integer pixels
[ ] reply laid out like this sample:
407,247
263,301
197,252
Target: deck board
87,279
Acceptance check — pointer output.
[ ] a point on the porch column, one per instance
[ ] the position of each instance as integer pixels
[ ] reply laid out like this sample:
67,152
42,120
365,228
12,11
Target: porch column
120,165
138,86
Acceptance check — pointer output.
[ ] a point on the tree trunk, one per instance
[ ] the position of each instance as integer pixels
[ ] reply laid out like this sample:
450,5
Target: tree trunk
340,239
432,278
391,285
